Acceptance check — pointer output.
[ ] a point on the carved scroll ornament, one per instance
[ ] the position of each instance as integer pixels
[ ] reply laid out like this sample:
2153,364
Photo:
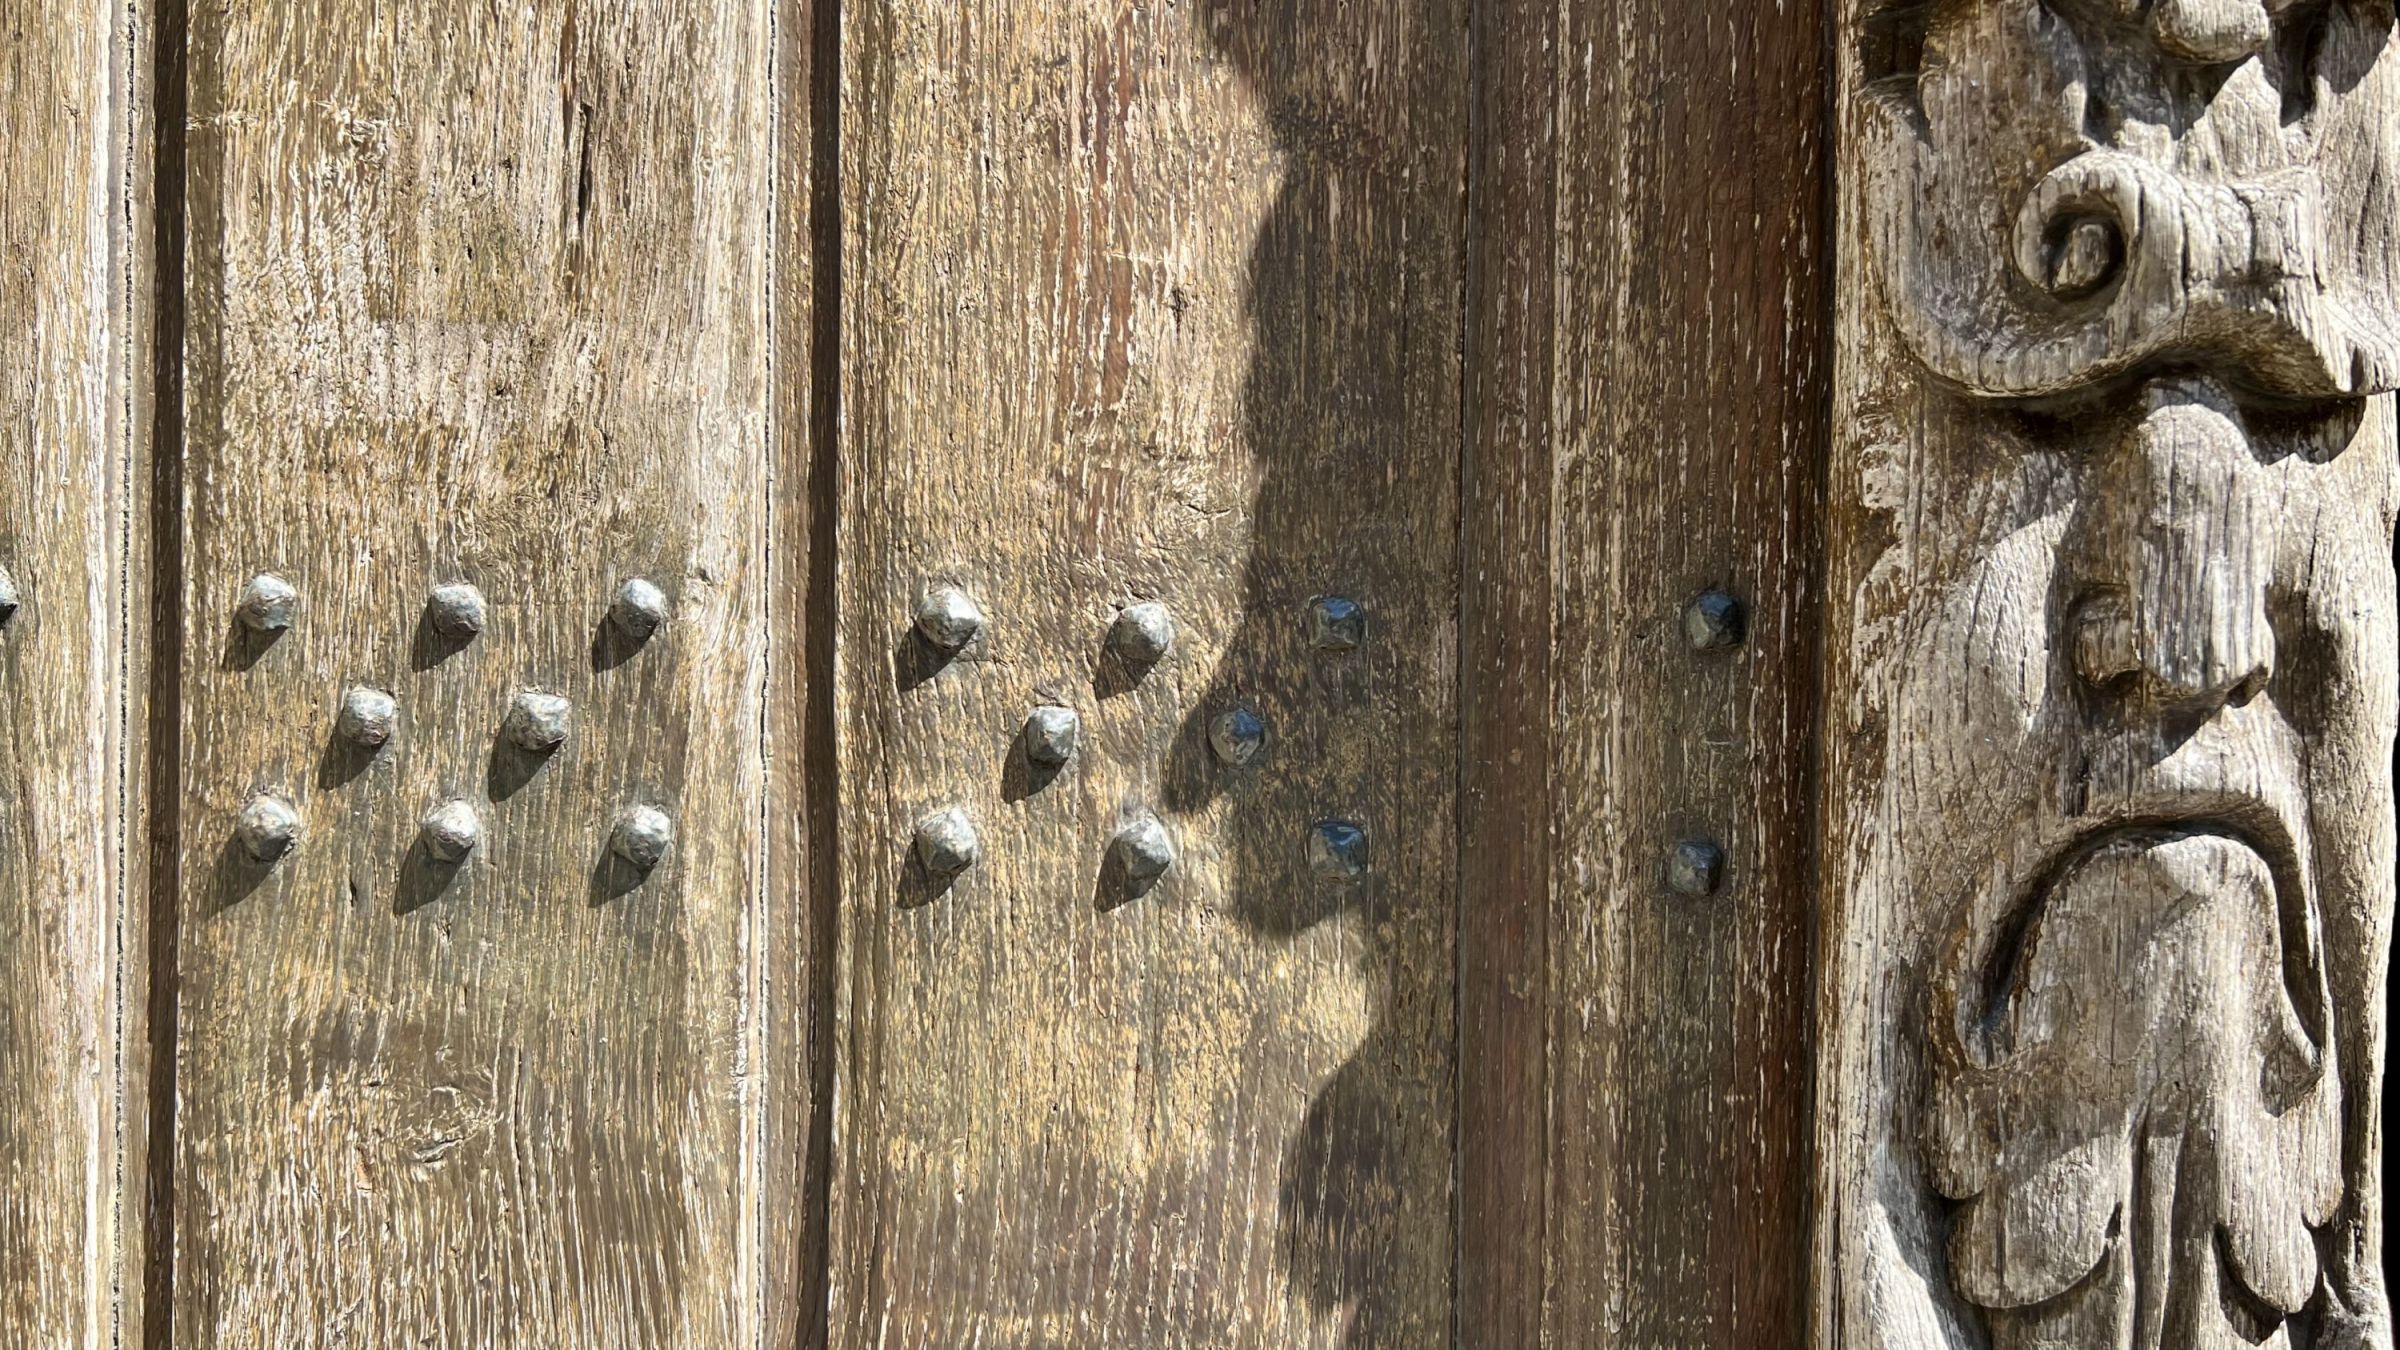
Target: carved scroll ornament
2104,1023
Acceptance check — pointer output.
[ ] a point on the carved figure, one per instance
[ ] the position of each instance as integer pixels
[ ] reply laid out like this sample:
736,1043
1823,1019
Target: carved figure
2115,824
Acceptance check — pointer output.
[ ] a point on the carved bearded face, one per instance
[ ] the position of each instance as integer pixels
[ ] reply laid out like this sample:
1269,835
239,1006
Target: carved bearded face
2134,853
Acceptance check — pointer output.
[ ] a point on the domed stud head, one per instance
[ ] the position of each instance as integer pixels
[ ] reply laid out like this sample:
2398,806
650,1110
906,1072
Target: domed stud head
1695,868
946,842
1236,735
451,831
639,609
10,599
1144,850
367,717
1142,634
536,722
1336,624
1712,621
948,618
267,604
266,828
1337,850
642,836
456,610
1051,734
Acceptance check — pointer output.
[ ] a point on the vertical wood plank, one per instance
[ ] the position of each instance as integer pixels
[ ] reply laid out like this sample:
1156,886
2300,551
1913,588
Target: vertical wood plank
74,226
1688,411
1509,621
483,294
1149,303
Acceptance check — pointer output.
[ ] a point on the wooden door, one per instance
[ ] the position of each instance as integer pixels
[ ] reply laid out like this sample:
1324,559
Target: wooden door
1072,673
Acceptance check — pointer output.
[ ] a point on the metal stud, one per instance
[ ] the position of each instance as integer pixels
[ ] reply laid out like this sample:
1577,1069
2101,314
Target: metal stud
947,843
642,836
1338,849
267,603
457,611
451,831
1236,735
1144,849
536,722
1051,733
1695,867
1336,624
1712,621
948,618
367,716
9,598
1142,633
639,609
266,828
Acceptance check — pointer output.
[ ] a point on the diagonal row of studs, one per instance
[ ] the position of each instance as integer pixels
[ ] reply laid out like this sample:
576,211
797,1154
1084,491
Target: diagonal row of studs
268,825
946,842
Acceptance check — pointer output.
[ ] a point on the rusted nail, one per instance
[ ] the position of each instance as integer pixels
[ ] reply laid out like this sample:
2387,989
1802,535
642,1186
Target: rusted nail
457,611
1236,735
1144,849
536,722
367,716
639,609
1336,624
1338,849
642,836
266,827
1695,867
451,831
946,842
1051,733
1142,633
267,603
948,618
1712,621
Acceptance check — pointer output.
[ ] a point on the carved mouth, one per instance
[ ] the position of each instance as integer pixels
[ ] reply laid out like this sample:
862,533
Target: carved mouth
1992,976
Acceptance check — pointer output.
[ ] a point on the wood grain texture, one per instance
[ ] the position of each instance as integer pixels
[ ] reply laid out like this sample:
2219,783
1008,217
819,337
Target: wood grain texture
2110,838
1149,303
1688,379
73,379
1508,628
481,294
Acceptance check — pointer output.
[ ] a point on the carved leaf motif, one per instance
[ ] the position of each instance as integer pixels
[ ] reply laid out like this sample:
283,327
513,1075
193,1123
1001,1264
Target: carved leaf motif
2133,1098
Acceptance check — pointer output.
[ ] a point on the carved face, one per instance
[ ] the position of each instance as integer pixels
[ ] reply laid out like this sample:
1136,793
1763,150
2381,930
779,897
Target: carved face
2137,794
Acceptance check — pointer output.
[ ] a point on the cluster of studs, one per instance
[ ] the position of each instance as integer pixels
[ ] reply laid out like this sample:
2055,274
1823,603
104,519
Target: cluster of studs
946,843
536,723
1711,622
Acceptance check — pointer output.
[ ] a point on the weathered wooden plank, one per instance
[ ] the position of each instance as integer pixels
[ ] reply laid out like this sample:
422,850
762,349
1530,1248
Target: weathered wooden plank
2109,849
74,339
1508,621
1148,304
1689,375
481,294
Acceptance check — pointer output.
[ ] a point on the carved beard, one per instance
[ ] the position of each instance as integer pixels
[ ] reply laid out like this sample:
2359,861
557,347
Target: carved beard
2174,1130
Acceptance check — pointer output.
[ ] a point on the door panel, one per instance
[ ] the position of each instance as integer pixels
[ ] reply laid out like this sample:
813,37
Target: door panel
1149,305
1648,378
499,322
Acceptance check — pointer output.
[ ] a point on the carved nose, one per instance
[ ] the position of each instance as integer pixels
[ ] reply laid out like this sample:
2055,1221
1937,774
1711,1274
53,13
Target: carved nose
2174,609
2211,32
